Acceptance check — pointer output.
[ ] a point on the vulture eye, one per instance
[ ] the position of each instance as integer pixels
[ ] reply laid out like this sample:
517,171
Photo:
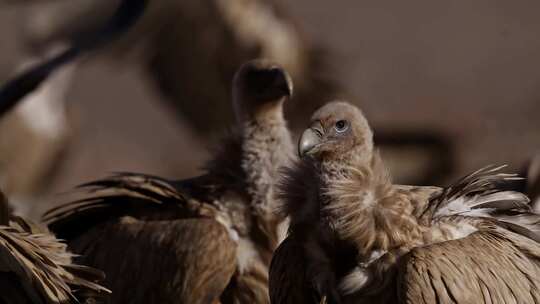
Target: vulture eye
341,126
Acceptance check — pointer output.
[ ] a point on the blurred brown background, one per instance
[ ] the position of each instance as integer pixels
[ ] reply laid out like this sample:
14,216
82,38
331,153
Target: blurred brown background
465,73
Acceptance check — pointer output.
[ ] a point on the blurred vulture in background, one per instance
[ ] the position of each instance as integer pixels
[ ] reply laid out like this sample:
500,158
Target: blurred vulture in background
208,239
36,268
189,50
357,238
33,138
184,44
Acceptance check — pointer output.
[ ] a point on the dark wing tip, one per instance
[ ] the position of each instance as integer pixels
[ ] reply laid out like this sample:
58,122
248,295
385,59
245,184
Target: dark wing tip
16,89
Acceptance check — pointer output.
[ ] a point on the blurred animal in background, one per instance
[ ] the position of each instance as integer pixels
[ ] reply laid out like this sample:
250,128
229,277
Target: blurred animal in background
207,239
184,44
190,49
33,138
35,267
357,238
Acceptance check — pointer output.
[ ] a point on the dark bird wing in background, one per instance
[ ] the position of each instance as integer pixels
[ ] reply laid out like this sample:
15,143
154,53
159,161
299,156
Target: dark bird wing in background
126,15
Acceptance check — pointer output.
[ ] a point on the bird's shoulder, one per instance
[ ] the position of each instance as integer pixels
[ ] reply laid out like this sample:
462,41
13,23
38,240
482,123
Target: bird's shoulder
484,267
419,196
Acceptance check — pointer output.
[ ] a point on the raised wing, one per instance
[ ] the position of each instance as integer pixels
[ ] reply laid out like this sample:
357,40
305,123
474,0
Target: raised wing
477,194
482,195
485,267
186,260
124,194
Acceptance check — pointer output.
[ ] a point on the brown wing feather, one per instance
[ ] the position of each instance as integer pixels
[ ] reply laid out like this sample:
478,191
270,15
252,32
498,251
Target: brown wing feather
43,270
132,194
485,267
287,281
35,267
184,260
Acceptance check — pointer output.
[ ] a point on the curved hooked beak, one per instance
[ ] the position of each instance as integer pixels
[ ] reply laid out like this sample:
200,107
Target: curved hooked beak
311,138
283,82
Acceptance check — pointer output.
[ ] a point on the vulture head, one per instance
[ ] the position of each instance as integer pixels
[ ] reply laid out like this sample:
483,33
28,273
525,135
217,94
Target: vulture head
259,88
337,130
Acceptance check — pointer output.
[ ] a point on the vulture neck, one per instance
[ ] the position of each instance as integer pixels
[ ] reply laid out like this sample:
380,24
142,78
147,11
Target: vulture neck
266,147
360,203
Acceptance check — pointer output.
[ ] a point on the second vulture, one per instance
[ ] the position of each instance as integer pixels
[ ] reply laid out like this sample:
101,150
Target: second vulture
204,240
357,238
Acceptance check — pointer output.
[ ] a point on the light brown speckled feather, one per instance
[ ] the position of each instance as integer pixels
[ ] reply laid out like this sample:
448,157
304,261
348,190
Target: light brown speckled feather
485,267
35,267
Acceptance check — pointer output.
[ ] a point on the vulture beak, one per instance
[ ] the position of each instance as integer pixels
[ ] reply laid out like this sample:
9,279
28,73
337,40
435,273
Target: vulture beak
310,139
282,81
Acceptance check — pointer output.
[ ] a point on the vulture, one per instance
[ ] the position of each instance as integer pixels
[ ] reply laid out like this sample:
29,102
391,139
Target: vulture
36,268
181,44
126,15
207,239
35,136
355,237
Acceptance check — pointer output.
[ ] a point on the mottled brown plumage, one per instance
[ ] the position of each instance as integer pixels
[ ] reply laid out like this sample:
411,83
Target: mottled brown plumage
201,240
365,240
35,267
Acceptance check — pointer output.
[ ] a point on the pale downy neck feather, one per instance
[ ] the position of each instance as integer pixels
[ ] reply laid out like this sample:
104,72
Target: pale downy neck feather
267,147
363,207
